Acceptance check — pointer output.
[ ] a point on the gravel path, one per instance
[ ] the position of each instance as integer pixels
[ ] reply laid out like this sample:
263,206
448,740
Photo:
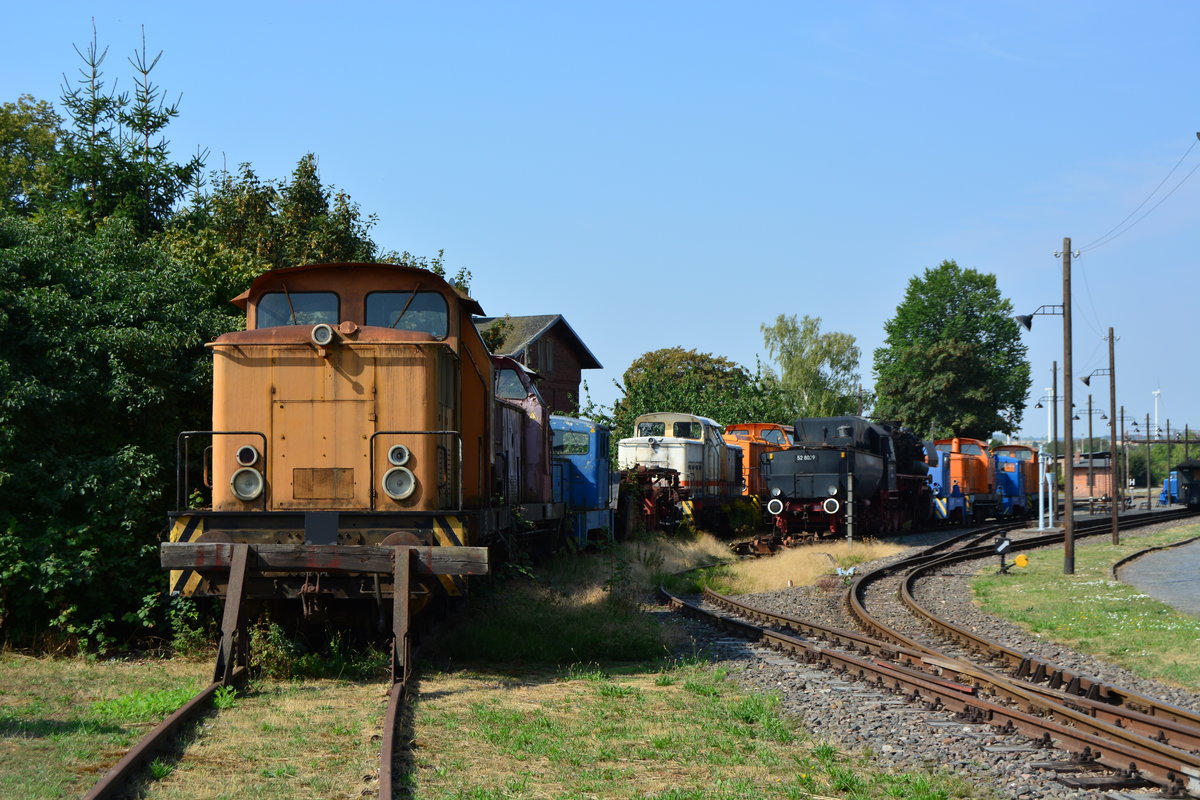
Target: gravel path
894,733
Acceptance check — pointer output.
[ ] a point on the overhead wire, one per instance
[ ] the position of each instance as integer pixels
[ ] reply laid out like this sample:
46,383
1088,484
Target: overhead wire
1117,230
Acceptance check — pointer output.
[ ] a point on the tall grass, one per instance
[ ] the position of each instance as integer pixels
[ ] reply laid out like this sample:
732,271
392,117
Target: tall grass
575,608
798,566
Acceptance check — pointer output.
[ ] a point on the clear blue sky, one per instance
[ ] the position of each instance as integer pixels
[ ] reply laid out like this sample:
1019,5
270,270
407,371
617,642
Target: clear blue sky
677,173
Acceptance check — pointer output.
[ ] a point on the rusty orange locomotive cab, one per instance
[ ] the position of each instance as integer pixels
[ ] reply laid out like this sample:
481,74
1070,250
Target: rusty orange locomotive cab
756,439
354,409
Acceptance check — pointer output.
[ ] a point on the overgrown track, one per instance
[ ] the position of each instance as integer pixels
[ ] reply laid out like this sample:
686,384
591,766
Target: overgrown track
237,561
1144,739
118,780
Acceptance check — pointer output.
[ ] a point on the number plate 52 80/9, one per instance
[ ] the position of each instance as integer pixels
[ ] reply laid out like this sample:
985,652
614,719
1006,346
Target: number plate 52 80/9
805,457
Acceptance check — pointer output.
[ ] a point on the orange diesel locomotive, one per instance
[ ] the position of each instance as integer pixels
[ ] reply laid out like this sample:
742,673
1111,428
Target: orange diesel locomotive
755,439
357,409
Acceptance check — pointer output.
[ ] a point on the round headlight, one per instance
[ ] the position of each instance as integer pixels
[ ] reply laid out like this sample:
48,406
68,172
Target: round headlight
399,483
322,334
398,455
246,456
832,489
776,492
247,483
775,506
831,506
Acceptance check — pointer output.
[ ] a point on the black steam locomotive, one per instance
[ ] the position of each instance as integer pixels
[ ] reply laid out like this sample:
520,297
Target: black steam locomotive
848,475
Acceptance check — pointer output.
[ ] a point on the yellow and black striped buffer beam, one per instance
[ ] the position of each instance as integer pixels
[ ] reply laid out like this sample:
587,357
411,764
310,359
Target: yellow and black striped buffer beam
449,531
185,529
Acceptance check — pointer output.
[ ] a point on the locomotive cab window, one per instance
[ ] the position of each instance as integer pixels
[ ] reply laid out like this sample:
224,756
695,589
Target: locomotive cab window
570,443
687,430
775,436
296,308
509,386
425,312
652,429
972,450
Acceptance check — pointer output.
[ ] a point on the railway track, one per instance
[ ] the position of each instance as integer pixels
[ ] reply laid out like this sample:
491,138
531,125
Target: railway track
1136,739
235,562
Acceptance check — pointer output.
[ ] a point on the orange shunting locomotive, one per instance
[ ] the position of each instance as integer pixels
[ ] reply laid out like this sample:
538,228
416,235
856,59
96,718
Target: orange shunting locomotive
354,410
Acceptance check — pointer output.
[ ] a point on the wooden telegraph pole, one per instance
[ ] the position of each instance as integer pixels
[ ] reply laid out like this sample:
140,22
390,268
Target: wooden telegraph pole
1068,410
1115,485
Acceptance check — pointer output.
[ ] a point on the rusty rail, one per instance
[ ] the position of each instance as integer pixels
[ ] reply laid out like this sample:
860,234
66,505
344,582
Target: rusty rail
1141,729
114,783
1036,671
233,650
1097,741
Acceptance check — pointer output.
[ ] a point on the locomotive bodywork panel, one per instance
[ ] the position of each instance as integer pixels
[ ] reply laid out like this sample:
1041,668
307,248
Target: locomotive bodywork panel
969,473
523,424
321,416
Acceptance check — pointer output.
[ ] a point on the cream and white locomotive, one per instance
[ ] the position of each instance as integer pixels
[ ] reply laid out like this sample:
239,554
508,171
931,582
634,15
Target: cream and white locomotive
709,470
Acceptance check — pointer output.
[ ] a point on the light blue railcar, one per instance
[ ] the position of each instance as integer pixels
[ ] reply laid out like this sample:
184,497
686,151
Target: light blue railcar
583,478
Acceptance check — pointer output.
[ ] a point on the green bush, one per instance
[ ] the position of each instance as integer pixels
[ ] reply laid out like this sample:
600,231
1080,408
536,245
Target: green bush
101,363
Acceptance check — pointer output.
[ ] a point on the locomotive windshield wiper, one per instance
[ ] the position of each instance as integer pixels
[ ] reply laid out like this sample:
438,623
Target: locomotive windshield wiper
404,310
291,307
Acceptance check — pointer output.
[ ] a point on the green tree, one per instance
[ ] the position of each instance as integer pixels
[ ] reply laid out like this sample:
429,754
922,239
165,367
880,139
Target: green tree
29,133
689,382
101,364
247,226
112,159
953,361
818,370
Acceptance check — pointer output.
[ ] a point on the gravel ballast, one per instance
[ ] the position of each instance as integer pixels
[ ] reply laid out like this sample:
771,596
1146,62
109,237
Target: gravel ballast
897,734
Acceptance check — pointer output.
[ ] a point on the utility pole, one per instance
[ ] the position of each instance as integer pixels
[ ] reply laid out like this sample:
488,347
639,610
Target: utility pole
1114,487
1069,466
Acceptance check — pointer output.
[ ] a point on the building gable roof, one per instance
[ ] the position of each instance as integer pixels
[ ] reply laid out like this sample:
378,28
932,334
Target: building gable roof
523,331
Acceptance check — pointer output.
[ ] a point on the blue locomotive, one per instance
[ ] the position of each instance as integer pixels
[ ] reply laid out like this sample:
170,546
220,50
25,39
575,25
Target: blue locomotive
583,478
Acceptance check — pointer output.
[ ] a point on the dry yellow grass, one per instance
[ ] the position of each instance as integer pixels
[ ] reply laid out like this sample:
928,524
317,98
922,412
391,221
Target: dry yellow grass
282,741
804,566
